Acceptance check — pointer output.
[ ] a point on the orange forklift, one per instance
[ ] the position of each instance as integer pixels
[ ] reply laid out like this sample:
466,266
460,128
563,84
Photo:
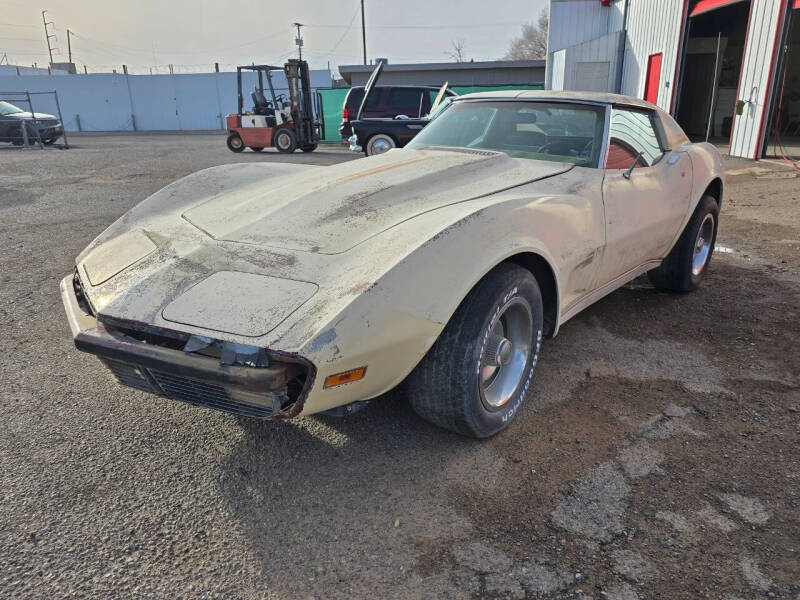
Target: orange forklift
286,124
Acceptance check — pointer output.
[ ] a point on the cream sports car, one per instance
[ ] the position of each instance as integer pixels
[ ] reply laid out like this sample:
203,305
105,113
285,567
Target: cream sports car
277,290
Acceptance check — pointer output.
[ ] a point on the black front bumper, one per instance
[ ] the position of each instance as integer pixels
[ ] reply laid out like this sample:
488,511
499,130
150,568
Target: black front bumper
261,392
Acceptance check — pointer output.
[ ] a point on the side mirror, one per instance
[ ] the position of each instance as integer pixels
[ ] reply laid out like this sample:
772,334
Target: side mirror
627,174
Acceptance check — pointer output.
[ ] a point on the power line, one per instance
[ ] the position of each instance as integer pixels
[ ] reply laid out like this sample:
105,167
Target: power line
346,31
440,27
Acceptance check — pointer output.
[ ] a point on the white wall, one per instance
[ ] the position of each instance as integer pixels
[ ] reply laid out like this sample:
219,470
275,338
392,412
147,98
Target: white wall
574,22
653,26
13,70
110,102
747,135
558,65
592,66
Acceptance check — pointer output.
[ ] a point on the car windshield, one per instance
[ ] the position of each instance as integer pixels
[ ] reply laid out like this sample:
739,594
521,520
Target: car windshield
6,108
556,131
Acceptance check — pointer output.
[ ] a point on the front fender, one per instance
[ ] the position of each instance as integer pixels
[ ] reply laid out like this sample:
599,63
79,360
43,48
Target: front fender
390,325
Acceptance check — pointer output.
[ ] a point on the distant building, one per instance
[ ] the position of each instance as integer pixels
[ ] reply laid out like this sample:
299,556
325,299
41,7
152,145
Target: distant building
489,73
726,69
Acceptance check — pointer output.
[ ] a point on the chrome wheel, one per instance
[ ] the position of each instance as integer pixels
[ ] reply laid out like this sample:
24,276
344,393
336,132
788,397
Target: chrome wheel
702,245
505,353
379,144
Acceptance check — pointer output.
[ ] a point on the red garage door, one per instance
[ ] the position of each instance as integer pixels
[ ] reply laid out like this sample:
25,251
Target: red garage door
653,78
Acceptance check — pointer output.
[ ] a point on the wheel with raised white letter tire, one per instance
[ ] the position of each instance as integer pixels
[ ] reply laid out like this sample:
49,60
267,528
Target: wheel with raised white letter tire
475,377
683,268
378,144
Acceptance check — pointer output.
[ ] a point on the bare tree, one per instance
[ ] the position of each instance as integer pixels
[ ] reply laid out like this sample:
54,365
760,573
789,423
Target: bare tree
458,53
533,41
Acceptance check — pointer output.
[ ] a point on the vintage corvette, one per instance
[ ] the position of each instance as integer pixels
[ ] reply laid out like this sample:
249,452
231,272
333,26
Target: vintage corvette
277,290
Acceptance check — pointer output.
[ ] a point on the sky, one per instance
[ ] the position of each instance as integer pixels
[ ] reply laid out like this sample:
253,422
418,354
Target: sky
193,35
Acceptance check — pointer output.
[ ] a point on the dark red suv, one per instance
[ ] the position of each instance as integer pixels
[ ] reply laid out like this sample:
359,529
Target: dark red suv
388,102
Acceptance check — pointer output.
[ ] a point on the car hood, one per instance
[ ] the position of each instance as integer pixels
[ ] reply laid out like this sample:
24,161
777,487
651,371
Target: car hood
233,250
334,209
29,116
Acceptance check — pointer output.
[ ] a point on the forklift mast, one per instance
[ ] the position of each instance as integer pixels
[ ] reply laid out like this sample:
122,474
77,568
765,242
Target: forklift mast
300,101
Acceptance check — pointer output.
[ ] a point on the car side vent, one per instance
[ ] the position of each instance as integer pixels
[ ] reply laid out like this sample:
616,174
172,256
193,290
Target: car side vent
465,150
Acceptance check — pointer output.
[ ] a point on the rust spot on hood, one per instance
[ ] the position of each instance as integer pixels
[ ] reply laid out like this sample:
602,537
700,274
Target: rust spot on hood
361,174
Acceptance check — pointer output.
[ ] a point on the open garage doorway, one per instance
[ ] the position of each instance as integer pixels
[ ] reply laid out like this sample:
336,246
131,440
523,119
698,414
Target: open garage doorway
712,62
783,140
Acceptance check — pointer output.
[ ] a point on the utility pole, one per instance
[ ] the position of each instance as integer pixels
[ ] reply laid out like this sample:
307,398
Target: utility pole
299,40
48,35
69,47
363,33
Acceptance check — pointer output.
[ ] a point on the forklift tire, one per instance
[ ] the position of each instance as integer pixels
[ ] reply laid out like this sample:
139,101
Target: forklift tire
235,143
285,141
309,148
256,148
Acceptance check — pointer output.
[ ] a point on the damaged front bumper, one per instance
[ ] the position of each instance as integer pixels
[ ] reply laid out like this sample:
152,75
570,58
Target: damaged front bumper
138,360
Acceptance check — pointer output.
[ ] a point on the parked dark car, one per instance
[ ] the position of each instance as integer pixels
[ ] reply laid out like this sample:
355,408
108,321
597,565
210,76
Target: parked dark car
376,136
387,102
12,118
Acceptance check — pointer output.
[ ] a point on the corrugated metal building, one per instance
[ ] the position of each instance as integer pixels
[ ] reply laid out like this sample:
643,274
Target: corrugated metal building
728,70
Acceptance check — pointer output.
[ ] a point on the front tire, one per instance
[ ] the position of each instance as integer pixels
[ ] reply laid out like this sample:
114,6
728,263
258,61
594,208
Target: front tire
285,141
235,143
476,376
309,148
683,268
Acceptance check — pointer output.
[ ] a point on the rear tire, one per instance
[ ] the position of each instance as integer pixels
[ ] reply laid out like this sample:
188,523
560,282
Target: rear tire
475,377
235,143
285,141
683,268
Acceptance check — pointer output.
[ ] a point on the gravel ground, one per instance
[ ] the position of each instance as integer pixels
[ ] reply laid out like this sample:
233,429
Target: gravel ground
656,457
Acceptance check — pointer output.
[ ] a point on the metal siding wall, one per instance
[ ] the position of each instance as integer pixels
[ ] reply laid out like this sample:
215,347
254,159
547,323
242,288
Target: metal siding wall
159,102
558,69
604,49
573,22
765,17
653,26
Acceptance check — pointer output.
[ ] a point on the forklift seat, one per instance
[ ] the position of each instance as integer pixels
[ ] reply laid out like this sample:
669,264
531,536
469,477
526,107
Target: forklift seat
260,104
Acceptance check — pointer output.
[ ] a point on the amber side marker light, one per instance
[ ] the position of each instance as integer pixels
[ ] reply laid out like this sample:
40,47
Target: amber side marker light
344,377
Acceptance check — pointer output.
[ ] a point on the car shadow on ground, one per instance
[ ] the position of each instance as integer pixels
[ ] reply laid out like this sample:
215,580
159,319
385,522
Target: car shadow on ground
385,483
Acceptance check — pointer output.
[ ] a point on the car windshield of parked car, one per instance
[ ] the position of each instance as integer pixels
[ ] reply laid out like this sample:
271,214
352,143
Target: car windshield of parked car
556,131
6,108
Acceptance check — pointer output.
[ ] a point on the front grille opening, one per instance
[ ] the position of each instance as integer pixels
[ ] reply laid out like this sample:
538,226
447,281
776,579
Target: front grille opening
208,391
230,400
163,338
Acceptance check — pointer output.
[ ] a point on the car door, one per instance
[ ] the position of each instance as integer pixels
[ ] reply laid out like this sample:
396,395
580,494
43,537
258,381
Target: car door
644,205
